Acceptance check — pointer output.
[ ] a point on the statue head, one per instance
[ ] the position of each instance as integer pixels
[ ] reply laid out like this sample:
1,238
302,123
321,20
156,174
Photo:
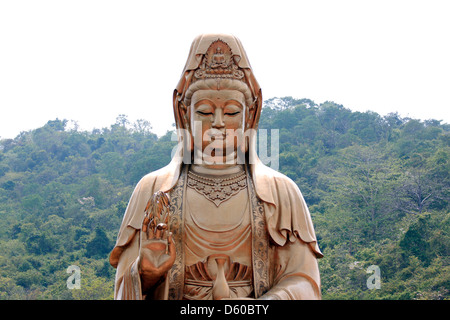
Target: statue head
217,101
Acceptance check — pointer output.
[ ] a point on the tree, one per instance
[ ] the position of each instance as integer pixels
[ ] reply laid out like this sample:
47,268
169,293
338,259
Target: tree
41,243
414,241
100,245
359,180
93,288
142,126
32,203
417,190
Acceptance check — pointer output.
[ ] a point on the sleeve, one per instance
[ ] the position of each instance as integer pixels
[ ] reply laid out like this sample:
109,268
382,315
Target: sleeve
287,215
129,287
289,224
296,273
125,254
128,282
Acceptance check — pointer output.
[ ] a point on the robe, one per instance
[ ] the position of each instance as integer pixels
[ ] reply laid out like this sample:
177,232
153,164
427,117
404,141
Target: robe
284,245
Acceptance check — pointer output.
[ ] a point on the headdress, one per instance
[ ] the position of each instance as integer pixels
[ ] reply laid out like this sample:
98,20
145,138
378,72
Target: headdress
219,63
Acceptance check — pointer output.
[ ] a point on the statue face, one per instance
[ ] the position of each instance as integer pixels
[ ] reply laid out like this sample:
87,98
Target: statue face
217,119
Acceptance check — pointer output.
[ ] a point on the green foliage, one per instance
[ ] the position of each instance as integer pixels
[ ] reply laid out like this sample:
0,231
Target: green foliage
99,245
377,188
378,191
62,197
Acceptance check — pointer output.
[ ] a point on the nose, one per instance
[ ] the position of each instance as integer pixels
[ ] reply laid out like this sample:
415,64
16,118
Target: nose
218,118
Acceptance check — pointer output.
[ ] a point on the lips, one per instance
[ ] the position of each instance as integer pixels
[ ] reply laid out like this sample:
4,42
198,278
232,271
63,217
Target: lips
216,135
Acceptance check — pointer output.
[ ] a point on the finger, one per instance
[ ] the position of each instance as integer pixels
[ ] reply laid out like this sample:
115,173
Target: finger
165,216
171,245
151,229
158,233
164,199
160,228
171,252
145,224
161,201
158,210
149,203
146,229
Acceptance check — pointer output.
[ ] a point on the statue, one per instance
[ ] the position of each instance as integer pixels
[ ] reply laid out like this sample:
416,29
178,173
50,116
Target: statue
216,223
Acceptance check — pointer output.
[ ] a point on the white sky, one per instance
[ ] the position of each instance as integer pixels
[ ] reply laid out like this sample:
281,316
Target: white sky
90,61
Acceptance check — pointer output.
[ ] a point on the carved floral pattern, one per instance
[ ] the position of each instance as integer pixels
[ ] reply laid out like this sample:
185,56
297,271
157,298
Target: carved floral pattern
176,222
260,245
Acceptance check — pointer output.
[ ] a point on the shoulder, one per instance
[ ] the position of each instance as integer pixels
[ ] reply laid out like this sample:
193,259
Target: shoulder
281,178
154,180
145,188
273,186
264,171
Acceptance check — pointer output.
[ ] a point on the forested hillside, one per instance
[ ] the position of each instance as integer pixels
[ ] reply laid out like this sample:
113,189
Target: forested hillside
377,188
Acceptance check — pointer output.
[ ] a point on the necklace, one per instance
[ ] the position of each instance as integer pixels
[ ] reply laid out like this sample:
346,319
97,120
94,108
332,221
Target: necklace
217,190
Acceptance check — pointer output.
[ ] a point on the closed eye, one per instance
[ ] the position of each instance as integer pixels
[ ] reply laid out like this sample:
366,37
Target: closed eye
204,113
232,113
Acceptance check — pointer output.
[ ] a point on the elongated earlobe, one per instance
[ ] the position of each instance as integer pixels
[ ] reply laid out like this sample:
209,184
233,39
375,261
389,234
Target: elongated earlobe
188,137
249,120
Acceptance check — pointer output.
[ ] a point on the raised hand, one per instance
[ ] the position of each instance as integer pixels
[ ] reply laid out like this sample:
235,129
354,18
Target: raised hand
157,250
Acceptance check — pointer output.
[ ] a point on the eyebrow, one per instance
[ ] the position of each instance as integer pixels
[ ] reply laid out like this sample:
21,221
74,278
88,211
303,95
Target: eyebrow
227,103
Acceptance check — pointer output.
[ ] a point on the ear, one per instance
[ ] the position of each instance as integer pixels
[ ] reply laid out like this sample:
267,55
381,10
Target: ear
185,117
250,117
255,112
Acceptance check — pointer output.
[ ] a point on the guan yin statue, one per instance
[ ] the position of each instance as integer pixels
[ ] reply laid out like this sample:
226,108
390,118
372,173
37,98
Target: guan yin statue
216,223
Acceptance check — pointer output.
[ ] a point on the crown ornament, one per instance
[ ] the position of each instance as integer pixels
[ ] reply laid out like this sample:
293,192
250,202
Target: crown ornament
219,62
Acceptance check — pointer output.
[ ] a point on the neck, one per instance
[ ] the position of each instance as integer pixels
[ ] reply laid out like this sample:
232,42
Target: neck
210,170
216,162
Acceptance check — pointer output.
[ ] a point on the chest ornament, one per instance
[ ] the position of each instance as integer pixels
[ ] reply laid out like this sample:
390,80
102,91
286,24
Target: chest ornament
217,190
